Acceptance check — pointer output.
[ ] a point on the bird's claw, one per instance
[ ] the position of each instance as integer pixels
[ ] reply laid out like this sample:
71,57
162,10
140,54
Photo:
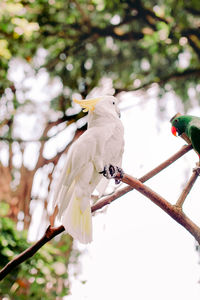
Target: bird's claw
114,172
197,169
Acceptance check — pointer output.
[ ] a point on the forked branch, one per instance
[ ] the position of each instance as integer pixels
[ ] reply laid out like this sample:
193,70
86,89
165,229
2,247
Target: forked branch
149,175
173,210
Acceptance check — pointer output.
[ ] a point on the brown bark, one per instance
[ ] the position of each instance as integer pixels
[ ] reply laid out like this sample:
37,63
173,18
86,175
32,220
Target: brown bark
175,211
152,173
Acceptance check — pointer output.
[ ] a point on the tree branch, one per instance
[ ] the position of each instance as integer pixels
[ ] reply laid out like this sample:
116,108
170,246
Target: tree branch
107,200
51,232
176,75
43,161
187,188
193,11
194,45
68,119
172,210
111,31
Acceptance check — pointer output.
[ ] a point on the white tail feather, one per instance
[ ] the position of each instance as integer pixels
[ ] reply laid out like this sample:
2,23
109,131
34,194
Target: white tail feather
78,223
62,183
64,198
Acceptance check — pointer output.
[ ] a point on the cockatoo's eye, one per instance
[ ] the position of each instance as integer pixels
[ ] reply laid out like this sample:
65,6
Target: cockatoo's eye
113,103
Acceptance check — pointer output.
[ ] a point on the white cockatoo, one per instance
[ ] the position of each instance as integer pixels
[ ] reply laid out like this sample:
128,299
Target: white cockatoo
97,151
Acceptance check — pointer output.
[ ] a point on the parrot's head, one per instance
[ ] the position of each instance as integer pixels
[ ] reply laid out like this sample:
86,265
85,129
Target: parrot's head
100,106
179,124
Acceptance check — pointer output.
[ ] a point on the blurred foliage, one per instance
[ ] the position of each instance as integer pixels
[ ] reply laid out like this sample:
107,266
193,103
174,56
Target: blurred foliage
133,42
44,276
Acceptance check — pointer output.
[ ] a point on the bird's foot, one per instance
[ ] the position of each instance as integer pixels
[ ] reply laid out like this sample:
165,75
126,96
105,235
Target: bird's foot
114,172
197,168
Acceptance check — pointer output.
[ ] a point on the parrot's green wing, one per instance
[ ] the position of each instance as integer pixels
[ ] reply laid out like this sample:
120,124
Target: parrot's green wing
194,134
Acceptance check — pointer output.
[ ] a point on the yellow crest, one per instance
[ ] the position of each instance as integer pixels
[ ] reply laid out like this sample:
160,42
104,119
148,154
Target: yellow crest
88,104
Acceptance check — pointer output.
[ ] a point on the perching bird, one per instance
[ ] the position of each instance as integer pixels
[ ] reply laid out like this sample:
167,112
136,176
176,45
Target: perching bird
190,125
97,151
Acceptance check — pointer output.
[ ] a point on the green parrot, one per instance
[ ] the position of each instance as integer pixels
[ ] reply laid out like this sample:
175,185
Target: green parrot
190,125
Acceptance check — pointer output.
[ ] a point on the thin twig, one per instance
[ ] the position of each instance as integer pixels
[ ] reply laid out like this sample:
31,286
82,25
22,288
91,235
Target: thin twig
187,188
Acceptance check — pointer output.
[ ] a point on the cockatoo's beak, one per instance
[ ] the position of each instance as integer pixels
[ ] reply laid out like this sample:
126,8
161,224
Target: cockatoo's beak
174,131
88,104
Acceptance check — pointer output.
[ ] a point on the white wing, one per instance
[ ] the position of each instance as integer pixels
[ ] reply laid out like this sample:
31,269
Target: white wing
100,145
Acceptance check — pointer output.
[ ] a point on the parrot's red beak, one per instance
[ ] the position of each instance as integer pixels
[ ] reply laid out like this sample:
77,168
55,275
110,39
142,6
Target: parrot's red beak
174,131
